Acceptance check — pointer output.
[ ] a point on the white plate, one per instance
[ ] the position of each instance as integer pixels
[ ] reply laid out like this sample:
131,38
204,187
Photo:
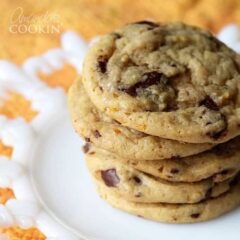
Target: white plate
64,187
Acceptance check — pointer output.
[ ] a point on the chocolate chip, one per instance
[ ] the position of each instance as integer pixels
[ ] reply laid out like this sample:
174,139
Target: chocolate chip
117,35
221,133
224,172
174,170
97,134
195,215
160,169
110,177
216,135
88,140
86,147
171,106
149,23
129,90
209,103
102,64
150,78
223,151
153,78
137,180
234,182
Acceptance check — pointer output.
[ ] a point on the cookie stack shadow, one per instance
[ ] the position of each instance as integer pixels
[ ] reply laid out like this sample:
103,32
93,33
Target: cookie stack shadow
152,177
158,108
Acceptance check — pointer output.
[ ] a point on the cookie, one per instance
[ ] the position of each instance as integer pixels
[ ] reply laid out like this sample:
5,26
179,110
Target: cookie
176,213
221,163
108,134
168,80
134,185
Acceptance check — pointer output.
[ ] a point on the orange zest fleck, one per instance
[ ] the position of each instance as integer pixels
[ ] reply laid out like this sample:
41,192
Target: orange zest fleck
117,131
141,127
112,109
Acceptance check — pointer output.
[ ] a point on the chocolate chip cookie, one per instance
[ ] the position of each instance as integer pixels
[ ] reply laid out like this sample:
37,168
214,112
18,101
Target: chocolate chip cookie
134,185
221,163
104,132
169,80
176,213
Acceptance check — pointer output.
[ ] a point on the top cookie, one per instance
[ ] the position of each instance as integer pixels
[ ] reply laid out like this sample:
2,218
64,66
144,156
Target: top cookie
169,80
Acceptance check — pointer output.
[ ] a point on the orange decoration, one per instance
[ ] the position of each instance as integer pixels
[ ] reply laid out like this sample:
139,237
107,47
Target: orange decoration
17,106
16,233
5,195
63,77
5,150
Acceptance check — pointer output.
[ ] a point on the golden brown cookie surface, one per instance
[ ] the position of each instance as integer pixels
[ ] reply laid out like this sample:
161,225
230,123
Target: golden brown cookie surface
98,128
169,80
176,213
136,186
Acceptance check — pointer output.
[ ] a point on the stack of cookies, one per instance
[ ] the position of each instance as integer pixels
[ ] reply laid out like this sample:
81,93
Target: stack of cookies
159,108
